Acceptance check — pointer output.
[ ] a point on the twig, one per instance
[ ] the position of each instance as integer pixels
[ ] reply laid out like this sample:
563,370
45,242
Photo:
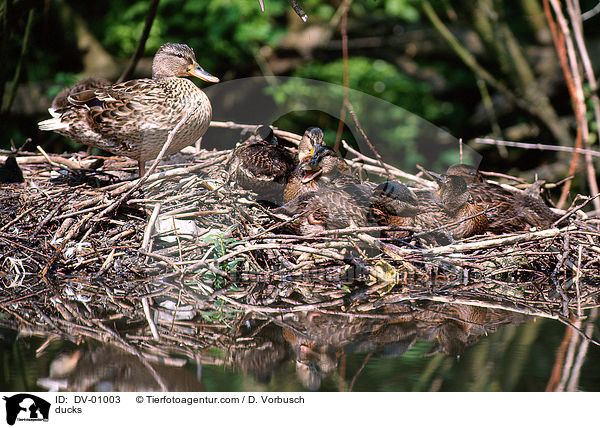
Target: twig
536,146
591,13
576,21
17,75
350,109
149,227
298,10
149,320
566,53
360,369
346,79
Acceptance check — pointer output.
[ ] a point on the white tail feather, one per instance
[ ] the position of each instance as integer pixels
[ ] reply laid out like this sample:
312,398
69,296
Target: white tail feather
52,124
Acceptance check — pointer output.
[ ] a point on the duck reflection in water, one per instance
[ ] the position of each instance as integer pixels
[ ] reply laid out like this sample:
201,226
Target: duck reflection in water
315,342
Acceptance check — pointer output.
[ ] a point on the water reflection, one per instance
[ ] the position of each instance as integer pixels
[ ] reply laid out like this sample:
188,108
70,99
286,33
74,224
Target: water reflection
105,368
315,344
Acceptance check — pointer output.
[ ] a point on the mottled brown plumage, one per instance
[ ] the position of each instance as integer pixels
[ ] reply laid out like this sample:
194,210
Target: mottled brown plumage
324,168
394,204
325,194
458,206
506,211
134,118
262,164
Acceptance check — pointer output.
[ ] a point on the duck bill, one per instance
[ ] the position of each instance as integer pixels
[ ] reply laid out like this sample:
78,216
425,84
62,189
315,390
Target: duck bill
200,73
438,178
310,175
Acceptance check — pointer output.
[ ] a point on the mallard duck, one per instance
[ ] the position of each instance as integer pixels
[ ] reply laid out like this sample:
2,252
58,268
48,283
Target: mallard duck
134,118
301,180
324,168
10,172
262,164
458,206
506,211
328,196
394,204
312,138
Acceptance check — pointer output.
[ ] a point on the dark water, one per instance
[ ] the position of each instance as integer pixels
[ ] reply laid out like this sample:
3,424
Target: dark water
325,356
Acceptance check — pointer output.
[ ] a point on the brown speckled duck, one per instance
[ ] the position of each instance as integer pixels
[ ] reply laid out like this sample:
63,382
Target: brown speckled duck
506,211
329,197
262,164
393,204
134,118
459,207
324,168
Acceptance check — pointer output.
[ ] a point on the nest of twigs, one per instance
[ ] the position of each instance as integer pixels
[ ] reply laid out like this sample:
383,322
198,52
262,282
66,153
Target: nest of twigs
176,263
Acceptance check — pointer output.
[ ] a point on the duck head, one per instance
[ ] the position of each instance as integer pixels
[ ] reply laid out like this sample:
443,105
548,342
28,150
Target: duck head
265,133
323,164
453,192
312,138
467,172
178,60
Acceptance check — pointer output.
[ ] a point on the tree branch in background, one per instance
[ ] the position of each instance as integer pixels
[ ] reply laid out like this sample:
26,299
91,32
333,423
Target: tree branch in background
347,106
4,45
139,50
576,21
535,146
564,49
298,10
344,31
17,76
294,5
364,135
591,13
535,102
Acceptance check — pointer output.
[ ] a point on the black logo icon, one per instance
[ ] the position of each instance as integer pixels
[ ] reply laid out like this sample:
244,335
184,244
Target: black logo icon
27,407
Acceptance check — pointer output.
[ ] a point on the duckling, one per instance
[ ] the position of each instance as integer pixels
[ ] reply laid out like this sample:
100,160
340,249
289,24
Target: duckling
135,118
506,211
262,164
324,168
328,197
393,204
10,172
312,138
458,206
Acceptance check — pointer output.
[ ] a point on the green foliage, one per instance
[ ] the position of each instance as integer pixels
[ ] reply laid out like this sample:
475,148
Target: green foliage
224,33
398,124
381,79
406,10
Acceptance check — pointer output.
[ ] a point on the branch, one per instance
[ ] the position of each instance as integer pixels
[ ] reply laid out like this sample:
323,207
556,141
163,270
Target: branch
139,50
17,76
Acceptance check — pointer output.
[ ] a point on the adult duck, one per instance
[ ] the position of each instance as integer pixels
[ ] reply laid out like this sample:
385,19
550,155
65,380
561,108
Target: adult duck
506,211
394,204
324,168
262,164
134,118
328,196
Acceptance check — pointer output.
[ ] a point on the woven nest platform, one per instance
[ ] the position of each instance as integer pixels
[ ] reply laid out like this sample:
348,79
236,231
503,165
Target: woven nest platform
182,261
